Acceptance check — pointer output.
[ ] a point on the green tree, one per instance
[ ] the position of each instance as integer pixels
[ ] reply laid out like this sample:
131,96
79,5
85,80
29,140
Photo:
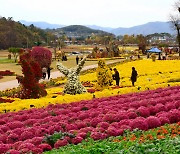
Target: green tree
15,52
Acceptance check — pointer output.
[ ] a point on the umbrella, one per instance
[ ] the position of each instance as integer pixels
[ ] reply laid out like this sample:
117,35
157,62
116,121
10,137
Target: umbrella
156,50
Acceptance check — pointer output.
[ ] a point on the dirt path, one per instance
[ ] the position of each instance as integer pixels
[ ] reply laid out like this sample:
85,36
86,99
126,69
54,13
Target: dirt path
14,83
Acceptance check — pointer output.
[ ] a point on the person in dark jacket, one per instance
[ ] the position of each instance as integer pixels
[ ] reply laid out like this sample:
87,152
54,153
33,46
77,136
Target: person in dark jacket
77,60
49,72
133,76
116,76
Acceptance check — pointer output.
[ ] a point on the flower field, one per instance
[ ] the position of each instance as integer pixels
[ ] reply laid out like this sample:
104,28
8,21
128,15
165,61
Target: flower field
140,119
99,119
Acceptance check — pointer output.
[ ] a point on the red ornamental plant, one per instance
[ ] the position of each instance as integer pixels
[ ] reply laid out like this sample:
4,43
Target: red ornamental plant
42,55
30,81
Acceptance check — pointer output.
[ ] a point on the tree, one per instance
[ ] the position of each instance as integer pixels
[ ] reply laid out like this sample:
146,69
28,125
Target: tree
142,42
42,55
15,52
175,21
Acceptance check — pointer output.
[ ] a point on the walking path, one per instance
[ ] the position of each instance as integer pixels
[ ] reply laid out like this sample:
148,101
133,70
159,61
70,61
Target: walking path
14,83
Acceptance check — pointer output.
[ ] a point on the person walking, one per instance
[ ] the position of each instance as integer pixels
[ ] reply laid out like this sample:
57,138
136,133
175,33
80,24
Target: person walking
44,70
49,72
116,76
77,60
133,76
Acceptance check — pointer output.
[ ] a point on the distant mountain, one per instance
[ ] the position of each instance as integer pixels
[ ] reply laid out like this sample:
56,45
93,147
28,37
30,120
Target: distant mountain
106,29
42,25
79,31
145,29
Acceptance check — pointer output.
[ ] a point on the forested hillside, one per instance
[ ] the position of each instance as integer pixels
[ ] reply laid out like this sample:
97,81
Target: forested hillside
15,34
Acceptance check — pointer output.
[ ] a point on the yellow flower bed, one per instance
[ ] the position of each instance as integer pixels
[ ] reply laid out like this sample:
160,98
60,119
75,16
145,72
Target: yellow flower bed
151,75
148,72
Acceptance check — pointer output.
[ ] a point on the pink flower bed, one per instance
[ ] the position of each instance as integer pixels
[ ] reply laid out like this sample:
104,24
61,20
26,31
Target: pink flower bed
24,131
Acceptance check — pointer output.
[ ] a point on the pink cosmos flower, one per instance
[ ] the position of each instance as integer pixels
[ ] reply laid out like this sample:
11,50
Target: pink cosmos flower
4,128
160,107
45,147
26,135
132,115
152,110
143,111
112,131
60,143
104,125
164,120
12,138
77,140
37,140
139,123
36,150
170,105
95,121
80,124
177,104
153,122
3,138
125,127
96,135
4,148
13,152
26,145
82,134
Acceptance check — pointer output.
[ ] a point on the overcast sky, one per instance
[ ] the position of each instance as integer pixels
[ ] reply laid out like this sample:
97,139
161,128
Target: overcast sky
107,13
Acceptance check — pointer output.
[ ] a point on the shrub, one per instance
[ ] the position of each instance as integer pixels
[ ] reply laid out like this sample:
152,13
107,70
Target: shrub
104,76
30,81
42,55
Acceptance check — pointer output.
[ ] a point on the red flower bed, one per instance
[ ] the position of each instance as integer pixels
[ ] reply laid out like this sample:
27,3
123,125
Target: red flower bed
2,100
98,118
6,73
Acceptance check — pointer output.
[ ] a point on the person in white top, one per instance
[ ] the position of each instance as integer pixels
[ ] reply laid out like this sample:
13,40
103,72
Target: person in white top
44,70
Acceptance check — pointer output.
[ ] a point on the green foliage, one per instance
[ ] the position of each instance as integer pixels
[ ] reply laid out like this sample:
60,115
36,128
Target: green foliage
167,145
15,52
174,80
51,139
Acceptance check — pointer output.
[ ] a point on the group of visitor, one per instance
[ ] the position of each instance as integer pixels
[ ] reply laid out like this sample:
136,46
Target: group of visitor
116,76
44,71
77,59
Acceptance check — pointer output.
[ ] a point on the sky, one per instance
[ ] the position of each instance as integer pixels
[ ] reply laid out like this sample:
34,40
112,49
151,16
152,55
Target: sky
106,13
